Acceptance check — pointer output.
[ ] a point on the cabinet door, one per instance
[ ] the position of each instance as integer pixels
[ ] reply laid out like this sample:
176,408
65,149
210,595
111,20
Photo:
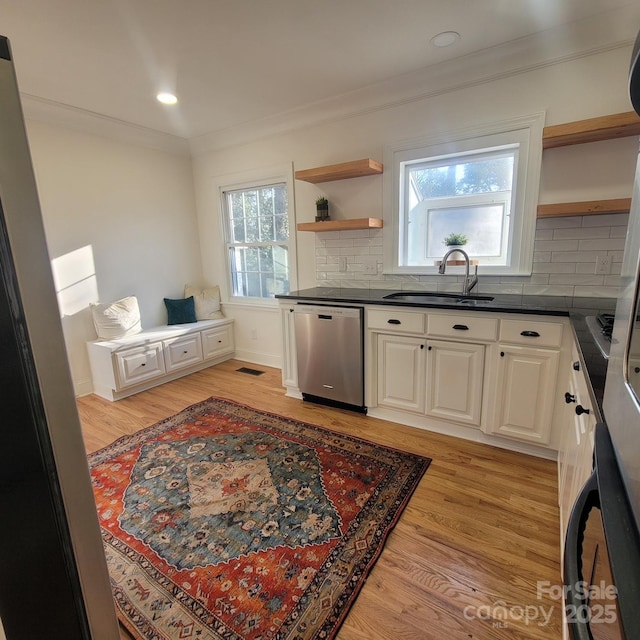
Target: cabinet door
401,372
217,341
289,353
455,372
526,393
139,364
182,352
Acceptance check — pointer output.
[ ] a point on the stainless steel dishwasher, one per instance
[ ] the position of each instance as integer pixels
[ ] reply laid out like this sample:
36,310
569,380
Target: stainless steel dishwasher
329,343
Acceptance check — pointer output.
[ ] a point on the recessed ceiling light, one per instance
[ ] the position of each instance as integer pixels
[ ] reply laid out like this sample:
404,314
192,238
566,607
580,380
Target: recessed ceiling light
445,39
167,98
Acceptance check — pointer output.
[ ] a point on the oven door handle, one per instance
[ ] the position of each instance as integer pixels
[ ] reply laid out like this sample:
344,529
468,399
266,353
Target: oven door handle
586,500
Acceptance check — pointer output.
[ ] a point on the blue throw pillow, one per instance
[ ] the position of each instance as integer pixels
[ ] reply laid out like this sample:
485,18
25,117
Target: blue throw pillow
180,311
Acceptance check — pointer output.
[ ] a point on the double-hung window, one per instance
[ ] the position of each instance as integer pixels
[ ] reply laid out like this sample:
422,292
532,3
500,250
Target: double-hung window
257,231
481,185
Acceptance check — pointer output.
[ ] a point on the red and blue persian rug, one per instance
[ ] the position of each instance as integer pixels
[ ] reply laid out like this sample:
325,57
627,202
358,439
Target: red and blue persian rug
223,522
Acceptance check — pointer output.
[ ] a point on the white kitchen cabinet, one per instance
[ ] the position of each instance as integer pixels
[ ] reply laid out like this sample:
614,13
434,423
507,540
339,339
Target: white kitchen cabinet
125,366
455,374
401,372
526,391
575,457
289,354
461,387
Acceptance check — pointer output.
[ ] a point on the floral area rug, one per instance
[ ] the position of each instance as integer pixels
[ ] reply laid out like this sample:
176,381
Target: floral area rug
223,522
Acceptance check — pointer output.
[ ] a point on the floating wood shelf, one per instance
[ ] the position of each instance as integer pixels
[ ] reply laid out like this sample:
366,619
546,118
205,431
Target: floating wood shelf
618,125
343,171
587,208
341,225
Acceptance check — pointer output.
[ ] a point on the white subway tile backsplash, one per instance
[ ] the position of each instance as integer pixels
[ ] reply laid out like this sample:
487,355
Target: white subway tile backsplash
555,223
586,267
576,279
339,242
574,256
541,256
612,244
607,220
595,292
581,233
564,258
547,290
556,245
554,267
618,232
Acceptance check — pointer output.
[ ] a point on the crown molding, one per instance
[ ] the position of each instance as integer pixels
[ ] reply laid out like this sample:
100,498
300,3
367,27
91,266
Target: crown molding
64,115
597,35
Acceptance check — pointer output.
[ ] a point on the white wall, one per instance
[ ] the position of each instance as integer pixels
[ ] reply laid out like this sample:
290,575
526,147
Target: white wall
578,88
120,220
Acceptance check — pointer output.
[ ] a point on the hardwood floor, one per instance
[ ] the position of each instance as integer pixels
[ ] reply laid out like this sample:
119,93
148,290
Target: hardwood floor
465,559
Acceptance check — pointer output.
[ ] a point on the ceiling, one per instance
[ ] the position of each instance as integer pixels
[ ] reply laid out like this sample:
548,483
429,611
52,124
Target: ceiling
233,62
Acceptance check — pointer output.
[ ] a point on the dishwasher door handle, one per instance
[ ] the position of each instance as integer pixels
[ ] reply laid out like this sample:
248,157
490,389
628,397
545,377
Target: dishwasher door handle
322,316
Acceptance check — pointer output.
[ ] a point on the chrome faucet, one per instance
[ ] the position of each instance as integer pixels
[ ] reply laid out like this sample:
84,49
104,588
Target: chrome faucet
469,282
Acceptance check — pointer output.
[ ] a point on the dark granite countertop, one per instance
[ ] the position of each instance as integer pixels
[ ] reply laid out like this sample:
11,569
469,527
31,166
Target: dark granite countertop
575,308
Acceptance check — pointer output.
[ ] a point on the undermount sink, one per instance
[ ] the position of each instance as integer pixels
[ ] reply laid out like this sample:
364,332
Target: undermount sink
435,297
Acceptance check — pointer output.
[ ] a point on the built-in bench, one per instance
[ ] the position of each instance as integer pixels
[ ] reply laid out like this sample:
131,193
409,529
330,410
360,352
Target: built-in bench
154,356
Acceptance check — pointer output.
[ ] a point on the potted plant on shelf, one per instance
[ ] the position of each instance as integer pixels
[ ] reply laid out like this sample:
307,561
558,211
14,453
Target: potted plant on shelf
322,208
455,240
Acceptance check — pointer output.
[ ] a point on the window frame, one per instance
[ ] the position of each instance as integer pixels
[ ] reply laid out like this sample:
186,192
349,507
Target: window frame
526,131
255,180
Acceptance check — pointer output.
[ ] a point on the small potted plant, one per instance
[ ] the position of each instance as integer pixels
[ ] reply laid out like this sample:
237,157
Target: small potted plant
455,240
322,207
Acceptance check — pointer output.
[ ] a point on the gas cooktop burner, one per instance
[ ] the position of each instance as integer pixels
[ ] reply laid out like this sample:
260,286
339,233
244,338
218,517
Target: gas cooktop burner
605,320
600,327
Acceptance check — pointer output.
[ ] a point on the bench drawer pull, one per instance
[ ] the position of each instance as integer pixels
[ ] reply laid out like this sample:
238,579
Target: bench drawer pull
460,327
530,334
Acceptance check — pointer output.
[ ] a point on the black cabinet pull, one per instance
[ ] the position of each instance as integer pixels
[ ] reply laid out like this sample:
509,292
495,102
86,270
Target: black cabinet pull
636,369
580,410
460,327
530,334
430,347
394,321
502,354
569,398
422,346
576,366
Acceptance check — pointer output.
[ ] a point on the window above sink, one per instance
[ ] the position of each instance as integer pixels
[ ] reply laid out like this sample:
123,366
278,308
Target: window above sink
482,183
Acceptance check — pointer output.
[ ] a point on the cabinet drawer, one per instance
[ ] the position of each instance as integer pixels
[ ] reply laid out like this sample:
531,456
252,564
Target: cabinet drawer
182,352
217,341
465,327
398,320
139,364
535,334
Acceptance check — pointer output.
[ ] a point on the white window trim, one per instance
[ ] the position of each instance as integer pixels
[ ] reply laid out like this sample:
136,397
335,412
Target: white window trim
528,129
245,180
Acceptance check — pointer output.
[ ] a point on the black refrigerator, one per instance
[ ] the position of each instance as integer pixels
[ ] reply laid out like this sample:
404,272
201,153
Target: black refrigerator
53,576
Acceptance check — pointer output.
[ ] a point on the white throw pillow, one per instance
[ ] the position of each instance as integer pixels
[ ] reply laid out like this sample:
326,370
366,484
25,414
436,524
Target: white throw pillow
116,319
207,302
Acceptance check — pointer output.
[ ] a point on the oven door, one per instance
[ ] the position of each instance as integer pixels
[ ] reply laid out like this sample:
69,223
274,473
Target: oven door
602,555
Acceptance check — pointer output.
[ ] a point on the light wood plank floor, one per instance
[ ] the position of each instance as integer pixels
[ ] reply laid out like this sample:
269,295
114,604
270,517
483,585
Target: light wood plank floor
463,562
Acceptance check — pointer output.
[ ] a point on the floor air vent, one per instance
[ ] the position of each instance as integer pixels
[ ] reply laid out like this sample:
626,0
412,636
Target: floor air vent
251,372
